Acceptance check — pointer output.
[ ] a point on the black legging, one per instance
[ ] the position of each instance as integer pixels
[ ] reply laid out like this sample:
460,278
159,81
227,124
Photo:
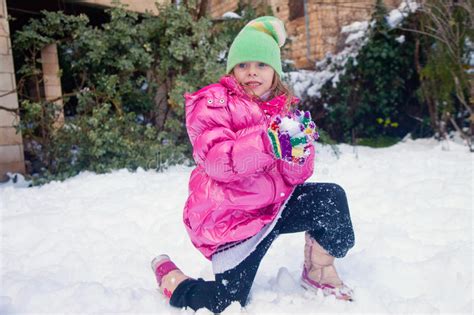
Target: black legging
319,208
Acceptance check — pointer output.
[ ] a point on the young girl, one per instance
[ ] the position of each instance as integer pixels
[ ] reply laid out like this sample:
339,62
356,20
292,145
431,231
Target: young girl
241,196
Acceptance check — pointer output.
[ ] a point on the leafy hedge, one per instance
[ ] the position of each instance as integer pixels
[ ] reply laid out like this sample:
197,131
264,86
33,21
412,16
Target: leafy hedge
123,85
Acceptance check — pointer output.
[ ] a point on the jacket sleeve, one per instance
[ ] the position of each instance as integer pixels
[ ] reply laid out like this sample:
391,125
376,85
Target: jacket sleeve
294,174
226,155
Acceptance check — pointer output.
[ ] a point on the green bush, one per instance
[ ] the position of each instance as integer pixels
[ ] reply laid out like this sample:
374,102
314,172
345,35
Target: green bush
101,142
123,86
378,142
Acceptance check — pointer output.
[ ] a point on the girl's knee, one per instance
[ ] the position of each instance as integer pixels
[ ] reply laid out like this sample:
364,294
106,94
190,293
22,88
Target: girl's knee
338,190
338,195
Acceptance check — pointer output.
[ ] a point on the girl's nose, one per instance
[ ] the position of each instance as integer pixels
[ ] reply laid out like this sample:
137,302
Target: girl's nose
252,71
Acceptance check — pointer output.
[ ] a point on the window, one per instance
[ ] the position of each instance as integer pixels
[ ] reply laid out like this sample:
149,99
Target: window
296,9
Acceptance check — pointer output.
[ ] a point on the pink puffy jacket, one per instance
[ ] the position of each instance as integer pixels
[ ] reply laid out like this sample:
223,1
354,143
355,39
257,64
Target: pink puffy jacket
238,185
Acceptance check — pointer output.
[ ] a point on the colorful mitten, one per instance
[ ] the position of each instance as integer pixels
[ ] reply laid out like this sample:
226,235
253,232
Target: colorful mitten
292,136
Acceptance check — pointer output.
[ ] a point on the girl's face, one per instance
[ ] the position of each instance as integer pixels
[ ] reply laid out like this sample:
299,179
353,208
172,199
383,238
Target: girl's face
256,77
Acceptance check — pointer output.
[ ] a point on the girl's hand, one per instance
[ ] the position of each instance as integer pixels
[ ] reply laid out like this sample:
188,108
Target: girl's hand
292,136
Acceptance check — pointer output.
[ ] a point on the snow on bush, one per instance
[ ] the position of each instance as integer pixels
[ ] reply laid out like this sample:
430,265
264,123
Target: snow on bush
395,17
231,15
309,83
400,39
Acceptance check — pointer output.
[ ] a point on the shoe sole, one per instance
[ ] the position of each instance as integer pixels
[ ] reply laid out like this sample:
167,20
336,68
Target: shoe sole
307,286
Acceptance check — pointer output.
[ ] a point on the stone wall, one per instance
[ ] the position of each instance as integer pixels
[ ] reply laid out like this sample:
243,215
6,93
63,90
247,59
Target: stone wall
326,17
11,144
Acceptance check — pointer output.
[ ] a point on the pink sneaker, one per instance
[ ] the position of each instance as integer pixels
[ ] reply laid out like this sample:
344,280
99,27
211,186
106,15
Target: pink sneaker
341,293
161,266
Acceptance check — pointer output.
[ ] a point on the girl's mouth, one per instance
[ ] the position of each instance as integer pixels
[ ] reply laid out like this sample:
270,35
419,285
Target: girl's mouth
253,84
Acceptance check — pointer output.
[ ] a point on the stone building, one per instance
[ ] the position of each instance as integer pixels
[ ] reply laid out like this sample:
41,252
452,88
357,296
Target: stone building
313,26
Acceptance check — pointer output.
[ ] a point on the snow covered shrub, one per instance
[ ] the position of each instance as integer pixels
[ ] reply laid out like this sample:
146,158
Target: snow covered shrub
369,89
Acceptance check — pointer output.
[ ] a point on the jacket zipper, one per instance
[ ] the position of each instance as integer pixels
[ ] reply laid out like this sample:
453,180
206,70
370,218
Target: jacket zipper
266,119
274,187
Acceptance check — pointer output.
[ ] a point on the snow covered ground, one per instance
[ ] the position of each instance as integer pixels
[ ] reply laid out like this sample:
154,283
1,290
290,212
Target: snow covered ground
84,245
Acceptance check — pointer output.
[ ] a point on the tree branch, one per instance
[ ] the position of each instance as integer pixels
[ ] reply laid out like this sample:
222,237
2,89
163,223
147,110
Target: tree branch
202,9
8,93
424,33
11,110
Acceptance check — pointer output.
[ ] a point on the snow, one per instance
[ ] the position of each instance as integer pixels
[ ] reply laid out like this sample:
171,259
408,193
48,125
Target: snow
309,82
355,27
291,125
355,36
400,39
84,245
395,17
231,15
16,180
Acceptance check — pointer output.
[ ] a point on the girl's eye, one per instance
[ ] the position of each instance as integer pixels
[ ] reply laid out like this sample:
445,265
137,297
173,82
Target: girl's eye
262,65
242,65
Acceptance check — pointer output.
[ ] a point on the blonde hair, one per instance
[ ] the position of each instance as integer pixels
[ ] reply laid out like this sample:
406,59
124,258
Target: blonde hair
278,88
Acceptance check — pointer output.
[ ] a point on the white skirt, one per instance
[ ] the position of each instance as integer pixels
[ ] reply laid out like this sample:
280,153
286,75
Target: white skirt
229,258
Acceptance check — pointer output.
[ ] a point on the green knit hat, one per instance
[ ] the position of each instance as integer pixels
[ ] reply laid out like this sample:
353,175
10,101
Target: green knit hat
259,40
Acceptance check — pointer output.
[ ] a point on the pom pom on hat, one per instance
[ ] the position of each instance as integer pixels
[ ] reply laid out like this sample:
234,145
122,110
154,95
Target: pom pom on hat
271,26
259,40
